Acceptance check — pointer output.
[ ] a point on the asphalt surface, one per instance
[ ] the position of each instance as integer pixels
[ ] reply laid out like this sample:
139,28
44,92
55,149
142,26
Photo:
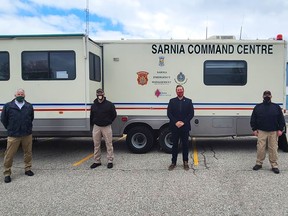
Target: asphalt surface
220,182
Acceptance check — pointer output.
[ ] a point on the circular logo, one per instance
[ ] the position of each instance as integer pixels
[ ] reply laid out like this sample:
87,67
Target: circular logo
180,77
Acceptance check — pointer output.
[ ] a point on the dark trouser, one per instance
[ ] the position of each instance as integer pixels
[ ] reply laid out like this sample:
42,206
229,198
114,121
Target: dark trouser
183,136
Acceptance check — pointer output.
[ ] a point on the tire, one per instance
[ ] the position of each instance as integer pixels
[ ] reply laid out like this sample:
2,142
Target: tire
140,139
165,141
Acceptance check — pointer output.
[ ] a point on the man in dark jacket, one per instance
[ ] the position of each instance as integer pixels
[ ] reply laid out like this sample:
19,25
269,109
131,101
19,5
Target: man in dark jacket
180,111
17,117
102,115
267,122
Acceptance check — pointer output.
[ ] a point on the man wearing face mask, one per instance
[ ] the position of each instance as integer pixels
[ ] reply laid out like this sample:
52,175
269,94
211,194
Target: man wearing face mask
180,111
267,122
102,115
17,117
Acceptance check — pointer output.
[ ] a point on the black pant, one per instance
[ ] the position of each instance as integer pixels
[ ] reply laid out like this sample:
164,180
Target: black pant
183,136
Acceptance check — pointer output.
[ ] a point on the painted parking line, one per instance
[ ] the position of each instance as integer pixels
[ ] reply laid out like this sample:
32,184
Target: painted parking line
195,152
91,155
83,160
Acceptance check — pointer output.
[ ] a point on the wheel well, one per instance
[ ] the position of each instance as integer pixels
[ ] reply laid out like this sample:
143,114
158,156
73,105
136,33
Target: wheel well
135,125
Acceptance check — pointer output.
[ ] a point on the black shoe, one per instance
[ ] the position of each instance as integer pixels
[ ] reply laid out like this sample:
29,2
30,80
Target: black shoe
172,166
94,165
185,165
7,179
29,173
275,170
257,167
110,165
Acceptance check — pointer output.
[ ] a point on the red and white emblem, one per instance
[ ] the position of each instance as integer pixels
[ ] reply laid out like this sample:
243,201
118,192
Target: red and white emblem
142,78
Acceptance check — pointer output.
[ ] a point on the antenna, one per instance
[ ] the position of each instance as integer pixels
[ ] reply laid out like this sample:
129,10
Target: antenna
87,18
240,37
206,28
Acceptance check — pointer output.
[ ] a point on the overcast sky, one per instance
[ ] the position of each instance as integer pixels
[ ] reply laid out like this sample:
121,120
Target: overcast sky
153,19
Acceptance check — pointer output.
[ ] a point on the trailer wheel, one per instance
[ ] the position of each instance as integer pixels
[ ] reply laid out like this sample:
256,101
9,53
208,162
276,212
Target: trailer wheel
165,140
140,139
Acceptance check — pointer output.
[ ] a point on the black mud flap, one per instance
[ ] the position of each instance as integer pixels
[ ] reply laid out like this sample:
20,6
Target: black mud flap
282,143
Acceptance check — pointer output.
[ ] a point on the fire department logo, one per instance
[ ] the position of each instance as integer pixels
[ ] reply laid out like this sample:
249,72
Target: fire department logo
142,78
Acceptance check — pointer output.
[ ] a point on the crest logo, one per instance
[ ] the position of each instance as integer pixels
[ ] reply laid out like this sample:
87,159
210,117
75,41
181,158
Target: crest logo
181,79
142,78
161,61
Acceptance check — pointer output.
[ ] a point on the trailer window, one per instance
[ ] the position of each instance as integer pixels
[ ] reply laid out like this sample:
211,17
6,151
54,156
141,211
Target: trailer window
48,65
4,66
94,67
225,72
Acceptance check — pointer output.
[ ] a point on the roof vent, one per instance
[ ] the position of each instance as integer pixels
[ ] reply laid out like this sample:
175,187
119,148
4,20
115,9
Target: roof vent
222,37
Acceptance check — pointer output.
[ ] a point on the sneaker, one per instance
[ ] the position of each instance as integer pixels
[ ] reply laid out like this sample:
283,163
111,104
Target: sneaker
94,165
29,173
257,167
275,170
185,165
7,179
110,165
171,167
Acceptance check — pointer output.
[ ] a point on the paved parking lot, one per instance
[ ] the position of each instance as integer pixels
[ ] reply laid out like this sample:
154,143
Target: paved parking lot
220,182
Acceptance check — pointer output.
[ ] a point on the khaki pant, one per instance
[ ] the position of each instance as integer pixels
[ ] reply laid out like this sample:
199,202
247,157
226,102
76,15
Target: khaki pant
97,134
271,139
13,144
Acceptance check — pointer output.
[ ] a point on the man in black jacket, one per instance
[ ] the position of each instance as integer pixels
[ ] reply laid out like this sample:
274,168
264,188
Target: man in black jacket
180,111
102,115
267,122
17,117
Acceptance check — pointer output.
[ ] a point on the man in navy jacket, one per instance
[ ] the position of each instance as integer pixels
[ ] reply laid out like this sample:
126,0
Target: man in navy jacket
17,117
180,111
267,122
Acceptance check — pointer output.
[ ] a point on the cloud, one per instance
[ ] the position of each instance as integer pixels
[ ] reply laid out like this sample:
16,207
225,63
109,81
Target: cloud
41,25
13,7
180,19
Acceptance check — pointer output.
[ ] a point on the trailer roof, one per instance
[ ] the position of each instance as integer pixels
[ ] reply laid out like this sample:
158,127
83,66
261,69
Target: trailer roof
186,41
41,35
144,41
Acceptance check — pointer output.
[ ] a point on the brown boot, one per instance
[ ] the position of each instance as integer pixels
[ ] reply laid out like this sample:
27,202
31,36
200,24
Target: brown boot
171,167
185,165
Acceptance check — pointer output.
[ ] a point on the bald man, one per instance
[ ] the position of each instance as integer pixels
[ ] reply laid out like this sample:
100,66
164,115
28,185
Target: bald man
17,117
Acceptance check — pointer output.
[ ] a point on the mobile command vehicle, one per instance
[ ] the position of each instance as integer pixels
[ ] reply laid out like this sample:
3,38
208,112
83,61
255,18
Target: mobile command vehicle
224,77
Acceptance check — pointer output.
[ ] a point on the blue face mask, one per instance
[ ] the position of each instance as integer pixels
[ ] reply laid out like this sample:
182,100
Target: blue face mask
20,99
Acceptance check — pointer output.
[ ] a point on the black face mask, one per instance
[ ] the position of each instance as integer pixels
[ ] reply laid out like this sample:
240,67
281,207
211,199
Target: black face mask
267,99
100,98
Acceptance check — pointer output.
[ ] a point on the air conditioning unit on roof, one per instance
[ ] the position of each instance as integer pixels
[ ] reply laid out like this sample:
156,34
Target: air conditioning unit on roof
222,37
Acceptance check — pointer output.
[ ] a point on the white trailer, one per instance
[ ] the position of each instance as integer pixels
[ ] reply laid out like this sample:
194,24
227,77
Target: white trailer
60,75
225,78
